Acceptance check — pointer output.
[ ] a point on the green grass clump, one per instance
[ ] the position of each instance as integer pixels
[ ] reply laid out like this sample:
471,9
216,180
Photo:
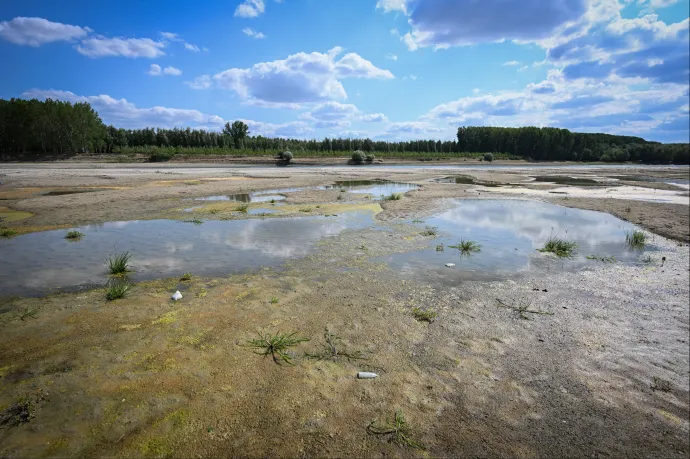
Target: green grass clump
430,230
274,300
7,233
398,430
242,208
186,277
423,316
636,239
560,247
117,289
393,197
119,264
467,247
74,235
276,345
440,248
306,209
195,221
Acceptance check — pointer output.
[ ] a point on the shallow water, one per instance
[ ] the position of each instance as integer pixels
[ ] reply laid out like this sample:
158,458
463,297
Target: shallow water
573,181
510,232
35,264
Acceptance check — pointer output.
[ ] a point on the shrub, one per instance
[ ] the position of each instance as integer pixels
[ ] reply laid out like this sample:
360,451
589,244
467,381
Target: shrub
286,156
358,156
159,157
488,157
370,157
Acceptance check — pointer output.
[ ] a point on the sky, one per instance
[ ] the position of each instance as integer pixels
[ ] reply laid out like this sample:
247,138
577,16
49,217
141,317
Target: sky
383,69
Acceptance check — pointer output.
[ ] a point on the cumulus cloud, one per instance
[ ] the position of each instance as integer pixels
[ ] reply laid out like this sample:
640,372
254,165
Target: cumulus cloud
38,31
392,56
253,33
100,46
300,78
122,113
444,23
176,38
201,82
614,106
374,118
511,63
250,9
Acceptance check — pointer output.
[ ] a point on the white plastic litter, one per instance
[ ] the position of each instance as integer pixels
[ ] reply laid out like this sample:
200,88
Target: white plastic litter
366,375
450,265
177,296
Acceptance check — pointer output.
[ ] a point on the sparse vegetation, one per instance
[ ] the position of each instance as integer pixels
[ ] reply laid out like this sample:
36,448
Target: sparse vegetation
636,239
276,345
523,309
332,351
306,209
244,207
195,221
562,248
467,247
274,300
430,230
647,259
8,233
660,385
393,197
398,430
74,235
370,157
488,157
417,220
119,264
424,316
186,277
440,248
214,211
117,288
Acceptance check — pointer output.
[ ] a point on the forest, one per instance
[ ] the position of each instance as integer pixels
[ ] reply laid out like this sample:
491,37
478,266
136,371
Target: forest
33,129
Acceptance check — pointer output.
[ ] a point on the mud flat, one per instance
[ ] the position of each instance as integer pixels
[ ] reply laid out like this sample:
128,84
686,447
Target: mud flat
507,351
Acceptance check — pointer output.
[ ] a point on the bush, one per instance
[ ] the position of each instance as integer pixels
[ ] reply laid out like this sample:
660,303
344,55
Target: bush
358,156
286,156
161,157
370,157
488,157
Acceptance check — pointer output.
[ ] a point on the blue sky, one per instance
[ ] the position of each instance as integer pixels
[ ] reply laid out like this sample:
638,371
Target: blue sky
384,69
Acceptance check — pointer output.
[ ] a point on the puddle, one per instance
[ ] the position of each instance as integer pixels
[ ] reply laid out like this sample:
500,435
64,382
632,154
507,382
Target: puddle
572,181
460,179
377,188
680,182
35,264
510,232
64,192
246,197
261,211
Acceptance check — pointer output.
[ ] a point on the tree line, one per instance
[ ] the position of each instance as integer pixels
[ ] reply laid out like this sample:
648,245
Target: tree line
50,127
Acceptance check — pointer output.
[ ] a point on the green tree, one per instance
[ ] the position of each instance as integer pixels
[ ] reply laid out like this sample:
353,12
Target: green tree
238,131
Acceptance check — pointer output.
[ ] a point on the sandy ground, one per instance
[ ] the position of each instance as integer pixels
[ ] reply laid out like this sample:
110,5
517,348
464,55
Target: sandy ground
601,370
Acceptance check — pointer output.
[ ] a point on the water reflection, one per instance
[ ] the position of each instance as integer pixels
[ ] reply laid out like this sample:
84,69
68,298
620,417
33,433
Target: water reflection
36,263
509,232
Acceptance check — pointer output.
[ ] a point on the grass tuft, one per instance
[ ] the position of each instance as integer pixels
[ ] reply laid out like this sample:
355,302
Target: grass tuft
393,197
440,248
276,345
8,233
398,430
195,221
242,208
332,349
423,316
467,247
117,288
636,239
186,277
119,264
602,259
430,230
74,235
306,209
560,247
274,300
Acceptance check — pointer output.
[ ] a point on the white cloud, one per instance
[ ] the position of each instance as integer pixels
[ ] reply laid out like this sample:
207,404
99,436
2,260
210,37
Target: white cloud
250,9
122,113
253,33
444,23
511,63
191,47
38,31
154,70
374,118
172,71
201,82
392,5
300,78
176,38
126,47
391,56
